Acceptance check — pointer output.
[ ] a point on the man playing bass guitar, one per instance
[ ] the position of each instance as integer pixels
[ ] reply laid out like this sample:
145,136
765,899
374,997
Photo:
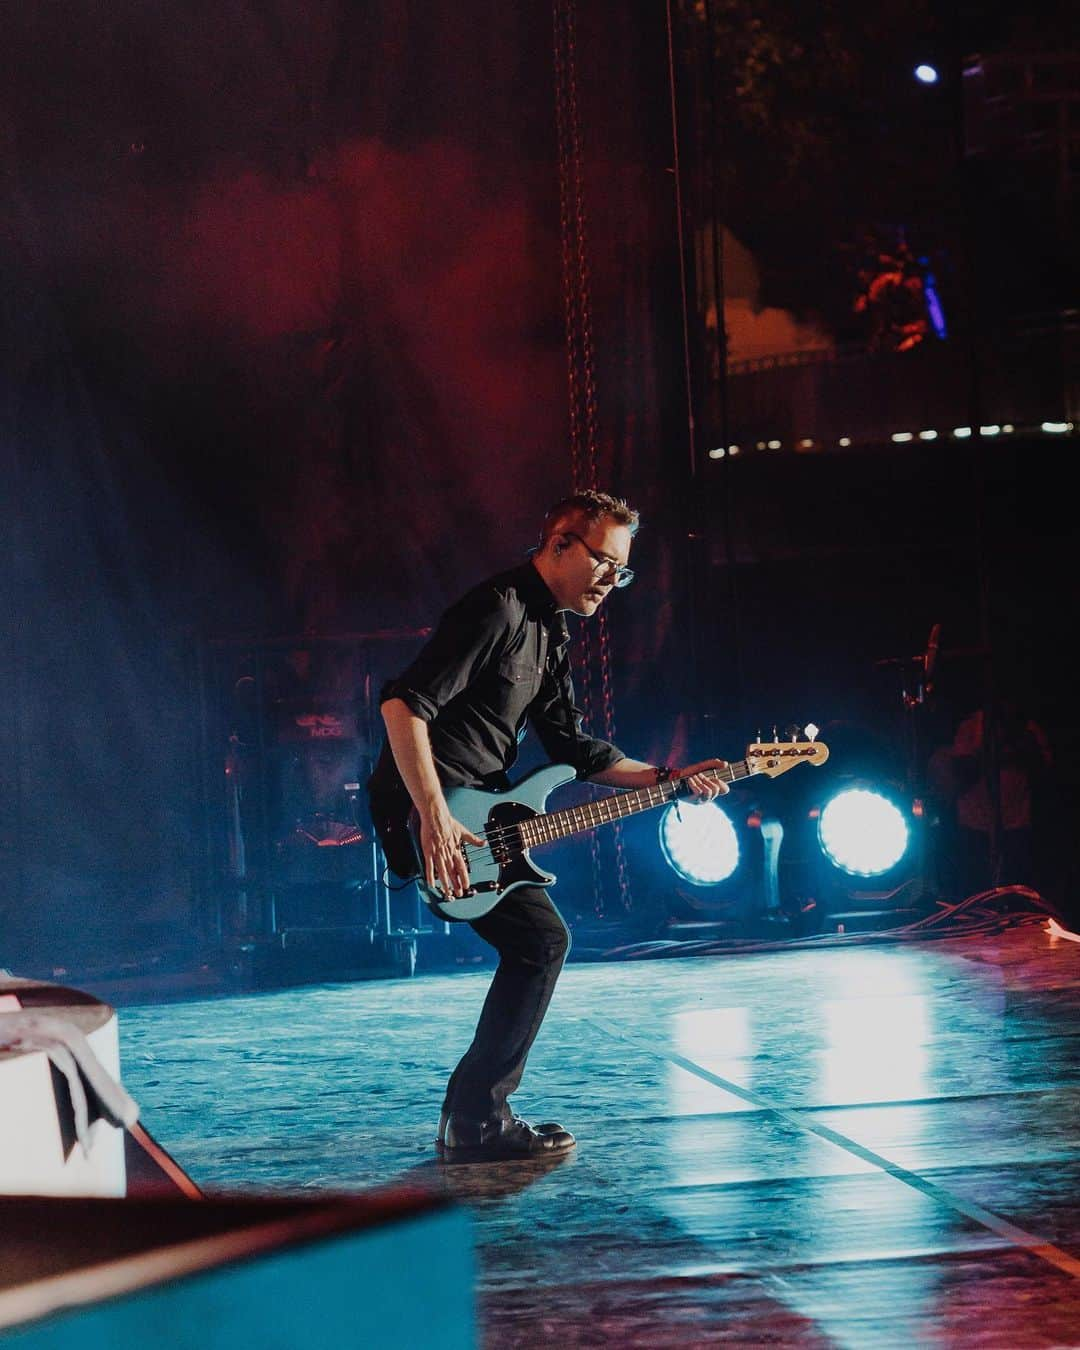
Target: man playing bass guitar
498,660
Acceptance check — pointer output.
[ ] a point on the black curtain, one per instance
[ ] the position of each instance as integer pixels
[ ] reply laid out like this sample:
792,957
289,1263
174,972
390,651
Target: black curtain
284,353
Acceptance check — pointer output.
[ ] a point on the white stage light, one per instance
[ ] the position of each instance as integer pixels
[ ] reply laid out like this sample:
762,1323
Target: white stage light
863,833
699,842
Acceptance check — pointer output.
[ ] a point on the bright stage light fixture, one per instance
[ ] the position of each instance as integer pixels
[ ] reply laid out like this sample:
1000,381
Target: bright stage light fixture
699,842
863,833
926,74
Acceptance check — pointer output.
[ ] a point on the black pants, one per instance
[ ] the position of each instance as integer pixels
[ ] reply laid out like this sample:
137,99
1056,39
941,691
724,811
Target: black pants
532,940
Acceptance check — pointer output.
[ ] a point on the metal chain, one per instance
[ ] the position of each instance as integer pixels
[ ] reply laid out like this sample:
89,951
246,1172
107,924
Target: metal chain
565,74
585,645
583,279
621,871
581,375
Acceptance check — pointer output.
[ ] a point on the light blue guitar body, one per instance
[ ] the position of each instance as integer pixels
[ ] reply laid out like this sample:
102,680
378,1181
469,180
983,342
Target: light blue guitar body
504,864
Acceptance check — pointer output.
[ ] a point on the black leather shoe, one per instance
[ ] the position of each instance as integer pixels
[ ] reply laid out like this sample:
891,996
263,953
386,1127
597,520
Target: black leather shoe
547,1127
463,1140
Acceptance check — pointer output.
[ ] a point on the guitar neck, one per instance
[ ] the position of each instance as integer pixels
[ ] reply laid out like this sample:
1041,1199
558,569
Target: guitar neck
544,829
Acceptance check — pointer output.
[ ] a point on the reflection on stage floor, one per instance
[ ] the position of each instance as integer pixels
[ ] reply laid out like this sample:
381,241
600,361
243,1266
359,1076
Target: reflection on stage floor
866,1144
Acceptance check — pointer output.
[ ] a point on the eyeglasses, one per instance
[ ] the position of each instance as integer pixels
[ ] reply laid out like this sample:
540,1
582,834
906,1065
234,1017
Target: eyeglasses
623,575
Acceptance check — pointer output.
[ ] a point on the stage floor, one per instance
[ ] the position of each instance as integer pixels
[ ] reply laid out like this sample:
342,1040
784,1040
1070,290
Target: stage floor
868,1144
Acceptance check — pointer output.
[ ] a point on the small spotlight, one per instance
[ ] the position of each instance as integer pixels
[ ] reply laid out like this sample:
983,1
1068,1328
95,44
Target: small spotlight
961,433
902,436
927,435
718,452
992,430
699,842
845,440
733,449
806,443
926,74
774,445
1056,428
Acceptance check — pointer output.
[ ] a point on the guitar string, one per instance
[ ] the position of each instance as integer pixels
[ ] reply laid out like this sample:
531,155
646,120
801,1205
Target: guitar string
505,833
602,807
736,772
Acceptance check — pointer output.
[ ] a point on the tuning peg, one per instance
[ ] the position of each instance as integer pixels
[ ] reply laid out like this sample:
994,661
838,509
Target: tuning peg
775,736
791,731
811,731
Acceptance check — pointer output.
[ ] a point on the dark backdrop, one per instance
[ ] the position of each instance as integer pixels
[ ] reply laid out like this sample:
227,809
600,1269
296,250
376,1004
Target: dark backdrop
284,353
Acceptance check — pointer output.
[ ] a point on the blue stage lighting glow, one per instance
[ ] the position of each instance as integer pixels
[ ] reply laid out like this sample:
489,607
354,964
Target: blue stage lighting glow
699,842
933,300
927,74
862,832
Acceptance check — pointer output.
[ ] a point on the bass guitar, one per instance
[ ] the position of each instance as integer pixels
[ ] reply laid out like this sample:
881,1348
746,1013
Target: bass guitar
515,822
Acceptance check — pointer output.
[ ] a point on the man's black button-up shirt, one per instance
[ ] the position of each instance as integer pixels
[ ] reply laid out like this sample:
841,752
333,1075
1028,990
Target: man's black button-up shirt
497,661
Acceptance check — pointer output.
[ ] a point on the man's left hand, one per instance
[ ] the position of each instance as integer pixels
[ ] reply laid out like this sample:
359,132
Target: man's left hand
703,781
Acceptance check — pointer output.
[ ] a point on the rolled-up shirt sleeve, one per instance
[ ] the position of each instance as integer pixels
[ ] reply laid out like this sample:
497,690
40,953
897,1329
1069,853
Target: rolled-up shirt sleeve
557,721
468,636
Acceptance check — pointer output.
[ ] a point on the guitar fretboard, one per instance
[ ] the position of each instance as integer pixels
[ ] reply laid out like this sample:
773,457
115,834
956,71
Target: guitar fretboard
574,819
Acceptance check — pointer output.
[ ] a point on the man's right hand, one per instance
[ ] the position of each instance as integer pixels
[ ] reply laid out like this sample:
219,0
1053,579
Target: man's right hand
441,839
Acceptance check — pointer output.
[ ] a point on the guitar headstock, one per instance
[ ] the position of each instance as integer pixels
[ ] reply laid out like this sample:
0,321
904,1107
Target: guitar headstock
776,756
